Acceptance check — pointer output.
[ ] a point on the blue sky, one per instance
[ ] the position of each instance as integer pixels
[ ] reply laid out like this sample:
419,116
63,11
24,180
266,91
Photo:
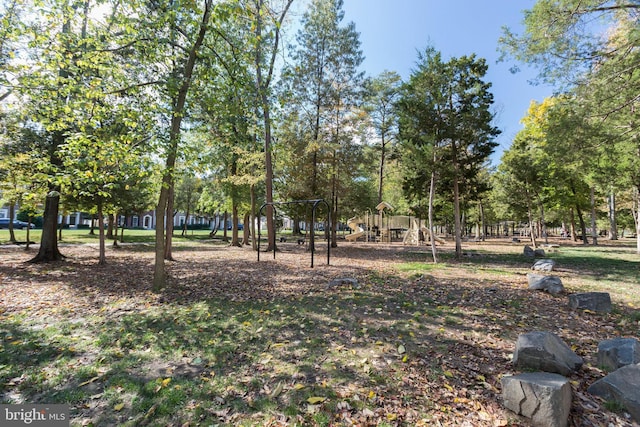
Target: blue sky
393,31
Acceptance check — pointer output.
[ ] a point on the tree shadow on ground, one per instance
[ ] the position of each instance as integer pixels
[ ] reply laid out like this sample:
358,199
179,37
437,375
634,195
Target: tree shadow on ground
255,341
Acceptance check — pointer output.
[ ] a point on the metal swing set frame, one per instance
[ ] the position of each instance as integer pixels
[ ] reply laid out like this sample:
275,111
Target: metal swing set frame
315,203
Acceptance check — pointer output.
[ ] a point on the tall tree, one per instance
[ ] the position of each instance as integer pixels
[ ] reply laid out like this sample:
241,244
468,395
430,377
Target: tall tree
185,26
228,104
447,106
324,83
597,62
383,92
565,38
101,166
69,74
267,21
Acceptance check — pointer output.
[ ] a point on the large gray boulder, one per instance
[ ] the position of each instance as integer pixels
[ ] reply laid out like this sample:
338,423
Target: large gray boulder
622,386
594,301
618,352
551,284
544,265
544,351
543,397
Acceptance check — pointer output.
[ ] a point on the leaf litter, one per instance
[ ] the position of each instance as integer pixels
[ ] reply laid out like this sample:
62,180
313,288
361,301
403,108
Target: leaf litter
271,344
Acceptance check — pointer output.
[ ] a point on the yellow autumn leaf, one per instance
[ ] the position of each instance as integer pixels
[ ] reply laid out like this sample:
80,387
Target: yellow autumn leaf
448,387
372,394
118,407
165,382
448,374
151,411
88,381
276,392
298,386
392,417
314,400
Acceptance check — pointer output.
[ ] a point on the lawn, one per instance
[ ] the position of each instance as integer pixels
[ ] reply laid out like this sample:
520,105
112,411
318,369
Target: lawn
82,236
234,341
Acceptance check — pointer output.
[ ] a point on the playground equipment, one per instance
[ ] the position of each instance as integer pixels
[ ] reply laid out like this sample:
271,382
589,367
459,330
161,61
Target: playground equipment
413,237
370,226
354,224
383,227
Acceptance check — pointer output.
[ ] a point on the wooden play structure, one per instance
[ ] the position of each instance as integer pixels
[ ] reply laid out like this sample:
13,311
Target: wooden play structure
382,227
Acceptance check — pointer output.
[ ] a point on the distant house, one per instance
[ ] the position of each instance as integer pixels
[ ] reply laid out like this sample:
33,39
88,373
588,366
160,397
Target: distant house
4,212
145,220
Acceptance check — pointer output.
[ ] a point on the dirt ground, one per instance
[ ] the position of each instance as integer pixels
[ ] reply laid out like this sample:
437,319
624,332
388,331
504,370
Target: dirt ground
477,361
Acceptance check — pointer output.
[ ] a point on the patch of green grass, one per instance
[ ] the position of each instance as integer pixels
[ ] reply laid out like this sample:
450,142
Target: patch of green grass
419,268
614,406
82,236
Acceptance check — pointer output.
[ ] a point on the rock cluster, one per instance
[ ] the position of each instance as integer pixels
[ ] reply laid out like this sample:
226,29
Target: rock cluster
544,395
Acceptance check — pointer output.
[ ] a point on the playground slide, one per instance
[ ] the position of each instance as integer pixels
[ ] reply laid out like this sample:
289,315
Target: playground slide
357,230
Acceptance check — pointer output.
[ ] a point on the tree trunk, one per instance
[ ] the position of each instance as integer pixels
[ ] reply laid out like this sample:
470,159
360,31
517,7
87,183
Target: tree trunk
594,229
246,229
49,243
186,219
457,220
114,232
216,225
334,198
432,192
61,226
613,223
159,274
235,241
381,170
531,231
543,226
262,85
252,224
103,258
583,226
482,221
225,220
112,219
12,214
295,228
574,229
334,222
27,244
168,246
636,217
